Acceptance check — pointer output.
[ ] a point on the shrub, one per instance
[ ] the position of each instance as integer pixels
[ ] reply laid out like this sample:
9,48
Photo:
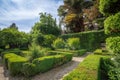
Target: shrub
89,40
112,24
35,52
14,63
28,69
58,60
98,51
113,44
16,51
73,43
59,44
81,52
48,40
108,69
8,56
44,64
109,7
87,70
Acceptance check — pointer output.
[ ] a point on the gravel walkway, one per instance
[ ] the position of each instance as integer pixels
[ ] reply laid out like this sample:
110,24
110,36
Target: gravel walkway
54,74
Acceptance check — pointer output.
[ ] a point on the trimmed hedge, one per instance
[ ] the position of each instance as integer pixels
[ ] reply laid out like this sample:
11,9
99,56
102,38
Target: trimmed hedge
88,40
107,65
74,52
14,63
18,65
15,51
44,64
87,70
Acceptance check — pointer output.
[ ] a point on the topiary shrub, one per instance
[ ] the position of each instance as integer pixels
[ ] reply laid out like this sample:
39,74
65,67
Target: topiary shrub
113,44
109,7
59,43
112,24
73,43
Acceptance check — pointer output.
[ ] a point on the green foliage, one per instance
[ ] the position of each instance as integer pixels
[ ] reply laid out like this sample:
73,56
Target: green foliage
48,40
58,60
74,52
13,38
112,24
80,52
59,43
35,52
28,69
108,69
44,64
98,51
87,70
14,63
88,40
109,7
47,25
113,44
73,43
38,38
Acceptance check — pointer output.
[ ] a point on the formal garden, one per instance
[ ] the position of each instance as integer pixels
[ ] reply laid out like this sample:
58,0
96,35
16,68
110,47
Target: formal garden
47,46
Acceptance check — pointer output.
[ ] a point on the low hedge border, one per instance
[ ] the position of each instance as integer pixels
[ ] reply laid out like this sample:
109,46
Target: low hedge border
87,70
18,65
74,52
14,63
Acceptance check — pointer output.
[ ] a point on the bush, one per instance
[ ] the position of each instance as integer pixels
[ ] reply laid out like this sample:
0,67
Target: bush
35,52
67,55
109,7
98,51
14,63
44,64
48,40
87,70
16,51
113,44
58,60
28,69
88,40
80,52
8,56
73,43
112,24
108,69
59,44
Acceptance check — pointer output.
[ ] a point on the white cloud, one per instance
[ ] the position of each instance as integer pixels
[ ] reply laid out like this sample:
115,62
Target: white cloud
28,9
18,10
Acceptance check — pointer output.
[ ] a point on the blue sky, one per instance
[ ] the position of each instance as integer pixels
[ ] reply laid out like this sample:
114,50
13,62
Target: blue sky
26,12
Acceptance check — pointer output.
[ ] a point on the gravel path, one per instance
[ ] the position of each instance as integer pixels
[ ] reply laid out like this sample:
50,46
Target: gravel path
59,72
54,74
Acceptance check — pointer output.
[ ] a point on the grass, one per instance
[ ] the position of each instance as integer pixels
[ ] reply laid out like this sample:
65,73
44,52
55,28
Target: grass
87,70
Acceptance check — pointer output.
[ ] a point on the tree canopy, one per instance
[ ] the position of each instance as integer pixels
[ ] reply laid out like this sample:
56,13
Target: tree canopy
72,15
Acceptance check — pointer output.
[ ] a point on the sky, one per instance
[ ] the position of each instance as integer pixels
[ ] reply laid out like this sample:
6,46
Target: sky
26,12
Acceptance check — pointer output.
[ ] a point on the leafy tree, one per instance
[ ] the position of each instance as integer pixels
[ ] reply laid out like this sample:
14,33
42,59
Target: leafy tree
46,25
13,38
13,25
71,14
